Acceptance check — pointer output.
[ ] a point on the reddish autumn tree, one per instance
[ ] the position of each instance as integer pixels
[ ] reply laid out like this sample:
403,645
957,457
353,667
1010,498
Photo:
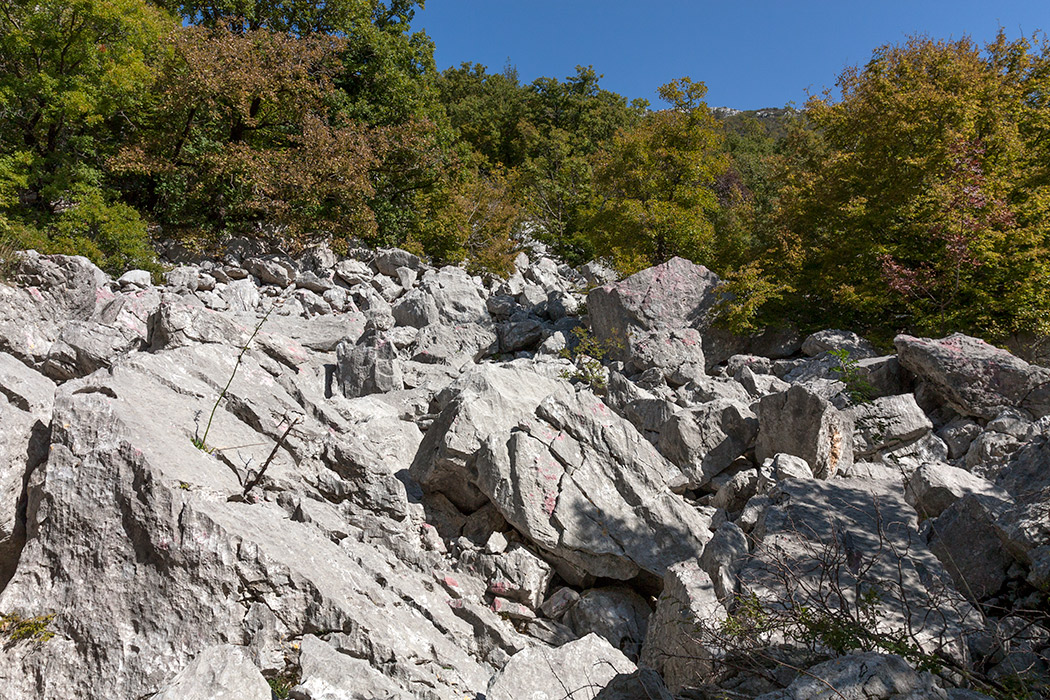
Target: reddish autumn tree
247,136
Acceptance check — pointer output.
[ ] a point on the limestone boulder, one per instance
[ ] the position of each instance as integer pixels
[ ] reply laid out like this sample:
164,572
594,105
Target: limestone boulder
581,483
615,613
838,340
975,378
704,441
877,676
818,539
681,641
886,423
488,400
802,423
586,666
934,486
218,672
675,295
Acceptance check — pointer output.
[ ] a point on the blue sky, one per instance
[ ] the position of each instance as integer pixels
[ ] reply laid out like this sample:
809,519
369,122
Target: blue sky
750,53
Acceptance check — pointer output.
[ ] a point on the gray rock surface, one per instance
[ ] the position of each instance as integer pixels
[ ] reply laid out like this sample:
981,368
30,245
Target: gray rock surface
617,614
582,668
885,423
934,486
343,484
704,441
218,673
975,378
801,423
867,676
680,642
674,295
835,535
583,484
823,341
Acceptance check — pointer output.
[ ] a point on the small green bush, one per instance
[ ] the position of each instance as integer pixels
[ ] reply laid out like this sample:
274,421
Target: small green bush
858,387
111,235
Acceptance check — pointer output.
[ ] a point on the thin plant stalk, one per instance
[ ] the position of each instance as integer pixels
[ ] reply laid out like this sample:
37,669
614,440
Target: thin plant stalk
236,365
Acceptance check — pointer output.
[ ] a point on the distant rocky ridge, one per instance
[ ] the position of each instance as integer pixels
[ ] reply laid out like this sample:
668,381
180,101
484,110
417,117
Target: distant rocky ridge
408,491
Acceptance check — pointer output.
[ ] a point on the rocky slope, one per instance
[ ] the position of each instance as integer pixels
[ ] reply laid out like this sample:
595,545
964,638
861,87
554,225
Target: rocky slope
406,491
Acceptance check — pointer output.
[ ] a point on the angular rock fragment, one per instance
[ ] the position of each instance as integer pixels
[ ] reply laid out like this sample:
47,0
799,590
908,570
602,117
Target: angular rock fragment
975,378
881,676
219,671
681,640
705,440
801,423
584,485
370,366
586,666
885,423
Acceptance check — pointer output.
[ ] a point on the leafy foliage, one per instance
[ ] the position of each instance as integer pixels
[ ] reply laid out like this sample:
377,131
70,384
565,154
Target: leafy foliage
859,389
918,199
656,184
17,628
71,71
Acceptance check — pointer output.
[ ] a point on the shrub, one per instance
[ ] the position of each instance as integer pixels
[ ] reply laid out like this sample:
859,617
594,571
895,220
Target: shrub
111,235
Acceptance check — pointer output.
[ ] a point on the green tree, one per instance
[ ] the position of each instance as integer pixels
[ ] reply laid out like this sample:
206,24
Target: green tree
71,73
657,184
567,123
244,137
917,201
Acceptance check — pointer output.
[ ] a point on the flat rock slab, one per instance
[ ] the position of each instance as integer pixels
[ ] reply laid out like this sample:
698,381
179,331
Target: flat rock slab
819,538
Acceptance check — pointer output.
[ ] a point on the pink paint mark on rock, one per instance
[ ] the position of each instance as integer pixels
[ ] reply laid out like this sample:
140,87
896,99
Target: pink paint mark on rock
550,502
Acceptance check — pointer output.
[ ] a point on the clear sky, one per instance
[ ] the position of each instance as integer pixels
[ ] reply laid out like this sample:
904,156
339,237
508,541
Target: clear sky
750,53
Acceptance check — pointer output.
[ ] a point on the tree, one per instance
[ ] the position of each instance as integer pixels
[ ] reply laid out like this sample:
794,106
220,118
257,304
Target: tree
916,200
71,72
656,184
244,136
566,124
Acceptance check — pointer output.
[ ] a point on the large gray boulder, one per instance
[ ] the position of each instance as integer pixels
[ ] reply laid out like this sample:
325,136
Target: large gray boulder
867,675
1026,525
329,674
488,400
579,669
975,378
838,340
934,486
819,542
369,366
162,556
218,673
457,296
682,639
705,440
52,290
26,398
675,295
886,423
965,539
616,613
803,423
581,483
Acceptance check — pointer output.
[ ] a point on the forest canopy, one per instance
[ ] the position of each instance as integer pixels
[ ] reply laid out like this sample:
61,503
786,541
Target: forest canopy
912,197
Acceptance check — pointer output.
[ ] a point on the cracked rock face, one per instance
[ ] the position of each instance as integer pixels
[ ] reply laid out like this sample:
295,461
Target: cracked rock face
323,474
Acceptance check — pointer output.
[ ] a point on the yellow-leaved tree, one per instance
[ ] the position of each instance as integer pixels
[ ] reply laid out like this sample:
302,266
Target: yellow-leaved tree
656,184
